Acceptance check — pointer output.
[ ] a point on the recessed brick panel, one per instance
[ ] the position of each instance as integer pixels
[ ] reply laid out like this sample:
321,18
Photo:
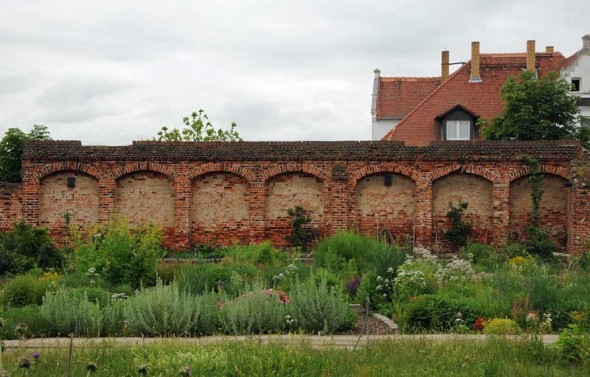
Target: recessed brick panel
386,203
220,212
470,188
554,204
10,204
286,191
146,196
56,199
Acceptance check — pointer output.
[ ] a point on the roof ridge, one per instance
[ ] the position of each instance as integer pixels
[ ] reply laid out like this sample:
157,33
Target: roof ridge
392,132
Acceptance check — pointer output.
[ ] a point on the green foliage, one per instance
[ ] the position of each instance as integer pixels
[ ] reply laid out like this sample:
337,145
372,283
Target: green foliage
257,311
23,290
120,254
27,247
319,308
12,146
228,278
432,312
369,254
485,257
539,242
23,322
459,231
198,128
166,310
299,219
573,345
502,326
536,109
69,311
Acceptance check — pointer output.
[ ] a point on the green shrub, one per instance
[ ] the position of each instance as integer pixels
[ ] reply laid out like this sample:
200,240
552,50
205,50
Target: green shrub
68,311
319,308
459,231
263,254
23,290
166,310
574,345
484,257
207,277
170,272
333,253
27,247
258,311
26,321
502,326
120,254
430,312
113,319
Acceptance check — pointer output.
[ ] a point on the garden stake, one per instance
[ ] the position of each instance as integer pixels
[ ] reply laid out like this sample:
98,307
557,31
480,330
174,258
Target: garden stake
365,325
70,354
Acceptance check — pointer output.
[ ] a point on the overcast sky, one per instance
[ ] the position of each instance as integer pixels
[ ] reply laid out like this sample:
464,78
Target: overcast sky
109,72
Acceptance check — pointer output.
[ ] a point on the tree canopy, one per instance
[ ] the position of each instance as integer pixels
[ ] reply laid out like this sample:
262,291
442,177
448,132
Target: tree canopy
536,109
198,128
12,146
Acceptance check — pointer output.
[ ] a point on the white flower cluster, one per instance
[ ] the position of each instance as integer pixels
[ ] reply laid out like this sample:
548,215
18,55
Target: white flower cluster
456,270
117,297
410,280
421,255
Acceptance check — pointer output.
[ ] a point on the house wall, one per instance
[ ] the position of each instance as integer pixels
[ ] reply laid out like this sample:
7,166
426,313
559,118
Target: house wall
579,68
220,193
381,127
10,204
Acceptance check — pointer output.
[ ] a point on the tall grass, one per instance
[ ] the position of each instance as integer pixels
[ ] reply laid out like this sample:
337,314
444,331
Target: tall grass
369,253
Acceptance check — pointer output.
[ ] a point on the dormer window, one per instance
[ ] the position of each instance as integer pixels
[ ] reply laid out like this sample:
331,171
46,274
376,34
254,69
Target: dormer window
458,129
457,123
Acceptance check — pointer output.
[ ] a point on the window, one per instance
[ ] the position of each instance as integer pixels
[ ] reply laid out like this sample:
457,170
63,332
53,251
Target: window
458,130
576,85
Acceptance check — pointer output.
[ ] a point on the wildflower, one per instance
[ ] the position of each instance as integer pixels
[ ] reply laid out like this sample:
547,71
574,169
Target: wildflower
532,316
185,371
36,357
21,329
390,270
24,363
142,370
91,367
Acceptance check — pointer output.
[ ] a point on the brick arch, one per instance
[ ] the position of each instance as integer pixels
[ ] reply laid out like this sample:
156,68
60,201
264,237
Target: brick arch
385,168
168,171
247,174
68,166
479,171
294,168
546,169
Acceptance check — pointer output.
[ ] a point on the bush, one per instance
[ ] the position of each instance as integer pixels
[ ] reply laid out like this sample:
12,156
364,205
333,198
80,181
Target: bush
459,231
573,345
68,311
335,252
502,326
119,254
484,257
202,278
165,310
429,312
23,322
259,311
27,247
319,308
23,290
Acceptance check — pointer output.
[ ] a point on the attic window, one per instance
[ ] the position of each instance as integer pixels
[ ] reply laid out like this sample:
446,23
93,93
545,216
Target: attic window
458,130
576,85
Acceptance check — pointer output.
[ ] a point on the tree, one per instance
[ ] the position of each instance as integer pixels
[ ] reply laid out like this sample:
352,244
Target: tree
536,109
198,128
11,150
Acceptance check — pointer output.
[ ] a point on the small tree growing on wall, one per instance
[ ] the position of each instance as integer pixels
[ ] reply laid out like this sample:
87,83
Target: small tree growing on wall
459,231
299,220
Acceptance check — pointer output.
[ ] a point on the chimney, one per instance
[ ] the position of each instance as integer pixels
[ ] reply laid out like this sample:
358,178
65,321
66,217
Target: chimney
475,77
530,56
586,42
444,76
549,49
375,90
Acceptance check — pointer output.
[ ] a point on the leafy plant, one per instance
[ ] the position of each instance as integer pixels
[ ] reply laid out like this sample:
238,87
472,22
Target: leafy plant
120,254
12,146
459,231
432,312
300,236
23,290
319,308
27,247
166,310
198,128
502,326
69,311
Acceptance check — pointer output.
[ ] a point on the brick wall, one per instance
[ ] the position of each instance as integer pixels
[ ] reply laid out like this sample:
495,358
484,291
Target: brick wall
10,204
224,192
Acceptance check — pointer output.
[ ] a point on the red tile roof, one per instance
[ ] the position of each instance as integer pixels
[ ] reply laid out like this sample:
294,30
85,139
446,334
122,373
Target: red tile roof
419,126
397,96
